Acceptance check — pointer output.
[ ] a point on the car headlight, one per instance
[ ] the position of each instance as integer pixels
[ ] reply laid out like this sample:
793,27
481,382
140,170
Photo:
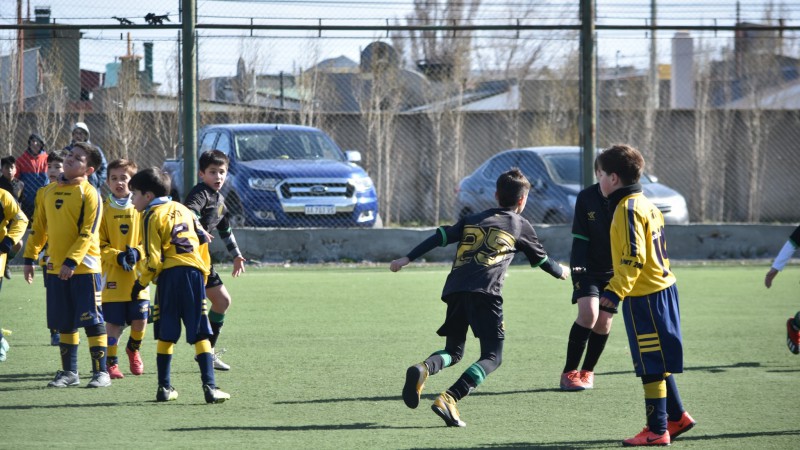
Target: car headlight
263,184
362,184
572,199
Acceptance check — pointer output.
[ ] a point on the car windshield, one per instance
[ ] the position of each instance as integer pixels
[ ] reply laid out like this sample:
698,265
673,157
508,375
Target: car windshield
565,168
254,145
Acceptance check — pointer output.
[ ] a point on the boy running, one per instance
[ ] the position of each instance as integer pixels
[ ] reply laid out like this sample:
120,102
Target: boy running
487,242
174,243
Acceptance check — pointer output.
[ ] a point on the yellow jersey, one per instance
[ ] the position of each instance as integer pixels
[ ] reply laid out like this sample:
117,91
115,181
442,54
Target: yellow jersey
12,222
121,226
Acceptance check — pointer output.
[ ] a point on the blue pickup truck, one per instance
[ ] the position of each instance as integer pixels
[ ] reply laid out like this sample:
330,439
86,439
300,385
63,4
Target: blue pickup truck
287,176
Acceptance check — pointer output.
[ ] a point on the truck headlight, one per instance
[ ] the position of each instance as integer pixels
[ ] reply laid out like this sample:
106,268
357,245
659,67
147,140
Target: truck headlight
263,184
362,184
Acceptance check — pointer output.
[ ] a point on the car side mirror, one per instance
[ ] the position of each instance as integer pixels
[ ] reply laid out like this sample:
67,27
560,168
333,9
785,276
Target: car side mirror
538,185
353,156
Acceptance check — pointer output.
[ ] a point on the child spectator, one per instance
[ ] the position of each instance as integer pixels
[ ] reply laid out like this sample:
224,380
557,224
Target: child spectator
32,171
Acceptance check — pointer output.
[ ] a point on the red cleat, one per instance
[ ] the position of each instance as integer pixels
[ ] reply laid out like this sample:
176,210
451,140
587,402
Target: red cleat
114,373
792,336
137,366
571,381
587,378
680,426
647,437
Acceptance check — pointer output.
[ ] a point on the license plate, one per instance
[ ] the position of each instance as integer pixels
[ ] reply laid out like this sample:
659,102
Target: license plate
320,209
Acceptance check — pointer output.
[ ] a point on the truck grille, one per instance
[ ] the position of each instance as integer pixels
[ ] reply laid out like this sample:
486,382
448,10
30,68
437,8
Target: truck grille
316,190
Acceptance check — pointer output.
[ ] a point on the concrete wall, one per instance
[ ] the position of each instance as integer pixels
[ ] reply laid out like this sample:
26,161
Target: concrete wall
684,242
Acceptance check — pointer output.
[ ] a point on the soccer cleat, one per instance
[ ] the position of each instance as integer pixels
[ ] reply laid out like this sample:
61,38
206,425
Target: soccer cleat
214,395
114,372
218,363
792,336
166,394
445,407
65,378
680,426
135,359
587,379
7,273
571,381
99,379
647,437
3,349
415,381
55,339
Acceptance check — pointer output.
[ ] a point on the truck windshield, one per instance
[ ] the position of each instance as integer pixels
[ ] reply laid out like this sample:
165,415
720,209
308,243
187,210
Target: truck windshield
285,144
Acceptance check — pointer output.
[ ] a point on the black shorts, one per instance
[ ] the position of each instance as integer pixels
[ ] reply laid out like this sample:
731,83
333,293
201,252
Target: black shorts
213,279
588,286
483,313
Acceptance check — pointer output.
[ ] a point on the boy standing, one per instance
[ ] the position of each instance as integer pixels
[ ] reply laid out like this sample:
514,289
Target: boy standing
793,324
173,240
55,167
643,279
12,226
487,242
208,204
120,237
31,170
590,263
67,219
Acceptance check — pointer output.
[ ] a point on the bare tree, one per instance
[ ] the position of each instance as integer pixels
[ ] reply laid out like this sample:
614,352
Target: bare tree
9,100
50,111
166,122
312,84
122,105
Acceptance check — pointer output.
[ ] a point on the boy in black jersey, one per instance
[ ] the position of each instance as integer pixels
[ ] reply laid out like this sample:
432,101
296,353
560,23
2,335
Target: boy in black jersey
487,242
793,324
208,204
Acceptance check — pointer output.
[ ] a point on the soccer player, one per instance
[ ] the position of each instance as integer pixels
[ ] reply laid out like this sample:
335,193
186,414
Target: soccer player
120,239
645,285
173,246
67,219
793,324
12,226
487,242
208,204
590,263
55,167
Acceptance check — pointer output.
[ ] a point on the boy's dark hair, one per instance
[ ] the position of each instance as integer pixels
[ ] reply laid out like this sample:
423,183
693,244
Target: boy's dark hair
8,161
511,186
93,157
122,163
152,179
56,156
213,157
623,160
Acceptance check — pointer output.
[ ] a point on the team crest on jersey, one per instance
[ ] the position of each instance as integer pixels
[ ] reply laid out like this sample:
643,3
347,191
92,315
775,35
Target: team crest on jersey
111,285
591,215
59,203
124,228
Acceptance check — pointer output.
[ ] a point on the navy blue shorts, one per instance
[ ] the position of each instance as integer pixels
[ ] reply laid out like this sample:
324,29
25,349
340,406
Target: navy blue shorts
74,303
653,324
124,313
181,297
483,313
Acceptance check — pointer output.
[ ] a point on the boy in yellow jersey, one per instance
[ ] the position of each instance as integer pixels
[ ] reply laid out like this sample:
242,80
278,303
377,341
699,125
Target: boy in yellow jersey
120,238
175,252
55,167
643,279
12,226
67,219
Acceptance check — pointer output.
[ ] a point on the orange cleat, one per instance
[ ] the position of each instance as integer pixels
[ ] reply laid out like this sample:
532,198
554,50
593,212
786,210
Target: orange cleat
114,373
680,426
587,378
137,366
571,381
647,437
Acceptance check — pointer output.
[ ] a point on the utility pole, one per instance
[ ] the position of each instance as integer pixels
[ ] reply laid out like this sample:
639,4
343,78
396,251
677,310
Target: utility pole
189,91
652,91
20,61
588,95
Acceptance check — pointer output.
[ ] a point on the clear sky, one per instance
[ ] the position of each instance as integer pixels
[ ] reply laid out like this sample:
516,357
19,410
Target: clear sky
288,51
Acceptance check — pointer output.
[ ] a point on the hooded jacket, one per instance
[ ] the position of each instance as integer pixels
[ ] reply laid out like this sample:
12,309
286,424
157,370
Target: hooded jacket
98,178
32,171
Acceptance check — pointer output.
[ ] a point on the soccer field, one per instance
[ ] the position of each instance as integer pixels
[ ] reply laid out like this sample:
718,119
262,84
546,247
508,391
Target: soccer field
319,353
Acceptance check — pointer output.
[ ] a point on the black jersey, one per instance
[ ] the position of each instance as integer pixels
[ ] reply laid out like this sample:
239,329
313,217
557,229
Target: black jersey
209,205
487,242
592,223
795,237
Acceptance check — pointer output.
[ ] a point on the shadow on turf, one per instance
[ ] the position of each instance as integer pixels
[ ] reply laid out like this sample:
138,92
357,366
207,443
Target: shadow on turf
68,405
616,443
395,398
712,369
350,426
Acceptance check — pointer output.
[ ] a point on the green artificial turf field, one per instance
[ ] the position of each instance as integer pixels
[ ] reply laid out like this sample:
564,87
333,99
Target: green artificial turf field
319,355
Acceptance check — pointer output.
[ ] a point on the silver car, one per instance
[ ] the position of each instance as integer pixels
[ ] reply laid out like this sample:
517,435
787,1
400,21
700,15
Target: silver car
555,174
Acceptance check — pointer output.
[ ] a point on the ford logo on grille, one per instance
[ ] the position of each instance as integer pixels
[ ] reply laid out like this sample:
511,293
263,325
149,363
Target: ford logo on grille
319,189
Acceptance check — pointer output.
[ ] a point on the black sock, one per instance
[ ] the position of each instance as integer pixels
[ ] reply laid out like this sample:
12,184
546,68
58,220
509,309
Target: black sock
597,342
215,330
461,388
578,337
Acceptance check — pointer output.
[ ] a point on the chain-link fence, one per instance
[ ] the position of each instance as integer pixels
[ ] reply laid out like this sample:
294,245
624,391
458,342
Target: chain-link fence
427,92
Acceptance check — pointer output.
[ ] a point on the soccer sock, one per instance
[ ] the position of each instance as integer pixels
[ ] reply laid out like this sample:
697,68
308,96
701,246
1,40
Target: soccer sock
655,400
164,351
202,351
597,342
467,382
135,340
674,404
112,359
98,348
69,350
217,321
438,361
578,337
